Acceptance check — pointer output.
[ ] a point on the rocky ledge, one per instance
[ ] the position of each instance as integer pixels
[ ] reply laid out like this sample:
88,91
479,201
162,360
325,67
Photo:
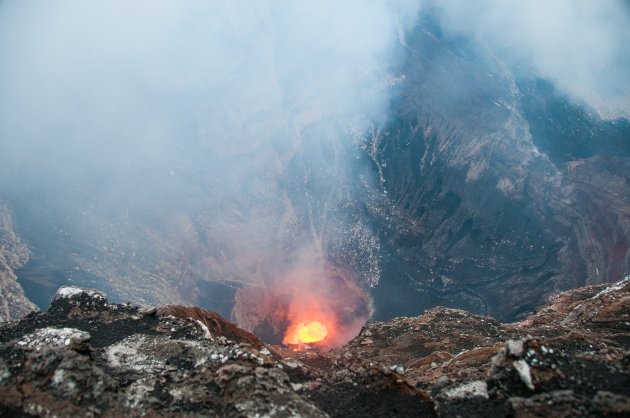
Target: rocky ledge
88,357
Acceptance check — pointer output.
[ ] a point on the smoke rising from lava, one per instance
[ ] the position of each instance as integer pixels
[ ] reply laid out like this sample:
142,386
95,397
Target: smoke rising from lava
160,144
323,302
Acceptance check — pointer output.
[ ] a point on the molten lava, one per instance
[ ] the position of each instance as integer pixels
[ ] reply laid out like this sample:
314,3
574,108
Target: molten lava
316,307
306,332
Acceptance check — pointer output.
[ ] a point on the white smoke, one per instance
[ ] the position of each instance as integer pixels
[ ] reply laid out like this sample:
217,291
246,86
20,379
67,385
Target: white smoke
106,81
160,134
582,46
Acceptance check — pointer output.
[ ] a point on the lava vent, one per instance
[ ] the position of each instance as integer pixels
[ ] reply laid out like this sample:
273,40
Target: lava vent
308,308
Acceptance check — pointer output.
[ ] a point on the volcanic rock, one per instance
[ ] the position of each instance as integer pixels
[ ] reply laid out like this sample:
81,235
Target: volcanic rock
89,357
494,199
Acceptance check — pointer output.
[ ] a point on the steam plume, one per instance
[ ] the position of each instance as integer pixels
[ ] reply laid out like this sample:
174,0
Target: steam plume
582,46
163,142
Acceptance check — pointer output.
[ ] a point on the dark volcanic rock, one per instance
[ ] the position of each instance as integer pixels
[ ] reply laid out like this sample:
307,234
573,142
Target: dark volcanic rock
571,358
490,198
88,357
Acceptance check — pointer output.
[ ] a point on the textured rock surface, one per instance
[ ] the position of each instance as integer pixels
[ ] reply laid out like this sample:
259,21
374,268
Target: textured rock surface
491,199
13,255
87,357
571,358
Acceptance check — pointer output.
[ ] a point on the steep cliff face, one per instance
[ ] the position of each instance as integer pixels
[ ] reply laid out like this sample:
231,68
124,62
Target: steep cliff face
13,255
486,190
89,357
494,190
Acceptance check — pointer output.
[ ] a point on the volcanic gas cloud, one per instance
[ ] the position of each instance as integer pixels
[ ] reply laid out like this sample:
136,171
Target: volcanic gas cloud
315,307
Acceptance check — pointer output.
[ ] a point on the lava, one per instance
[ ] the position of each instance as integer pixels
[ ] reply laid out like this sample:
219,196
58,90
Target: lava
315,307
306,332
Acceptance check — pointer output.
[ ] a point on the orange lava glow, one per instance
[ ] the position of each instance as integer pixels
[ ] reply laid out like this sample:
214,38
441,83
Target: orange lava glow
306,332
317,307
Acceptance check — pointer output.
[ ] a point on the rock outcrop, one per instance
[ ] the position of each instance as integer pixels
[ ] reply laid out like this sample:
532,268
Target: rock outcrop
491,199
570,358
13,255
88,357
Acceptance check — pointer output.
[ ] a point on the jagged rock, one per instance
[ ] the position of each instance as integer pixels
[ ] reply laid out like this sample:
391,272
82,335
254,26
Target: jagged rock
89,357
69,292
524,373
578,342
214,323
53,337
266,392
468,390
515,347
494,202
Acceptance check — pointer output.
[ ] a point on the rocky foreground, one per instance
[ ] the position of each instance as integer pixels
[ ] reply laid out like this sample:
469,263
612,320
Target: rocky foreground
87,357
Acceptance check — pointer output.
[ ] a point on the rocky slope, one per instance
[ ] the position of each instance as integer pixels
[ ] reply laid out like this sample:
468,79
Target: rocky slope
485,190
13,255
88,357
494,190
